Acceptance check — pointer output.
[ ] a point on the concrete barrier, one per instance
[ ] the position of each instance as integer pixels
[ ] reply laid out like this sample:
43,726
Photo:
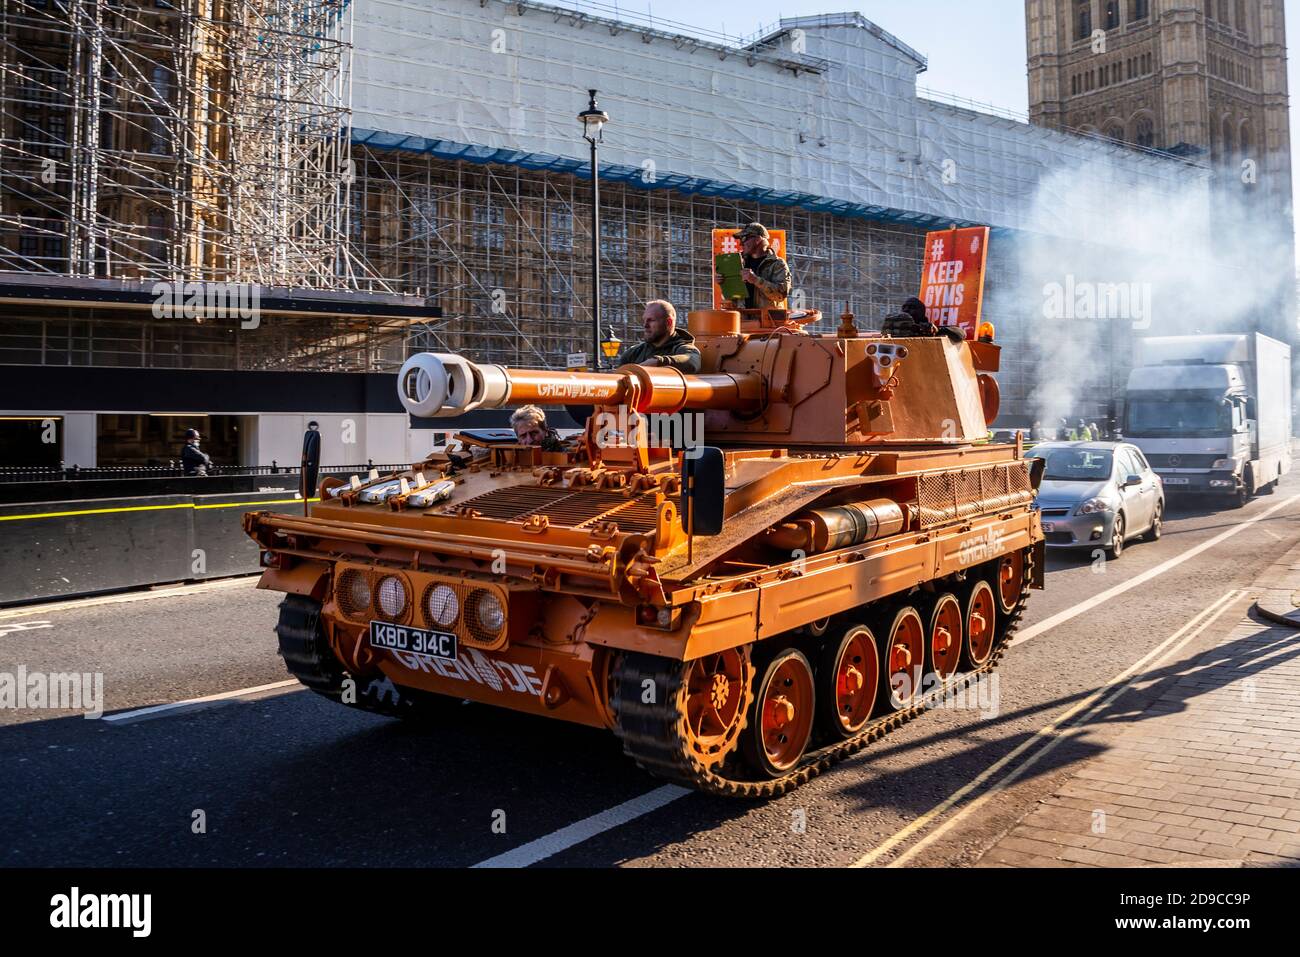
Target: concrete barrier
52,550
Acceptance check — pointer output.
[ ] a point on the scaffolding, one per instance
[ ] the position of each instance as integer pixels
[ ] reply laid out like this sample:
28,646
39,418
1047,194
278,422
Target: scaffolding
507,251
176,139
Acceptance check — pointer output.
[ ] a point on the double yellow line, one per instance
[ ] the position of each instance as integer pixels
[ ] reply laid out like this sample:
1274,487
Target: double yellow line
151,508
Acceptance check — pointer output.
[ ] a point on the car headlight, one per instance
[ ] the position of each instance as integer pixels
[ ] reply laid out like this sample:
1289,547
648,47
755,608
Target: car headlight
1093,506
1224,464
488,613
391,597
442,606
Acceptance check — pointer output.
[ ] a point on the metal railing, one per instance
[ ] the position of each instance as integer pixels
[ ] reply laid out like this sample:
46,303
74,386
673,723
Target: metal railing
171,470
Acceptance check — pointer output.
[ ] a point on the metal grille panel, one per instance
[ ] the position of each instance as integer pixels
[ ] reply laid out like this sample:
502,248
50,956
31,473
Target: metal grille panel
951,496
569,507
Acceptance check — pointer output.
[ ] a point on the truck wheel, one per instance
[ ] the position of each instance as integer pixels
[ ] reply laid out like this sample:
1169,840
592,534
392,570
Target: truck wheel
1247,489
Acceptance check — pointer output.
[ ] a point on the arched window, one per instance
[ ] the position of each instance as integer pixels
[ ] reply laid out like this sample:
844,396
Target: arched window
1144,132
1246,139
1138,9
1112,14
1083,20
1114,130
1229,141
1242,23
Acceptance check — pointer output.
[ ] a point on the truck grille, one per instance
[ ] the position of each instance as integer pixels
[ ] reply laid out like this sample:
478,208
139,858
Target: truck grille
1174,461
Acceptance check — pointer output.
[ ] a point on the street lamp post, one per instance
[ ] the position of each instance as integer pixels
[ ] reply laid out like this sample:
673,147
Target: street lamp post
593,120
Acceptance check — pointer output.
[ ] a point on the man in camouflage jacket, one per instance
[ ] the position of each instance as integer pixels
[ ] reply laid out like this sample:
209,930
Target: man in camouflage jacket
766,275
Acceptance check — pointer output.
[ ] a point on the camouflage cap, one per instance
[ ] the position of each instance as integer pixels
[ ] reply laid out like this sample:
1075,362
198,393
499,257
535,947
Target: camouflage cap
754,229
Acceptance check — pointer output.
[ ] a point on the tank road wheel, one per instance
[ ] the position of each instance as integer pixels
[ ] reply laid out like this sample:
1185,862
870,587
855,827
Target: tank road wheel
904,659
848,681
980,619
945,645
781,722
679,718
1010,580
308,657
715,700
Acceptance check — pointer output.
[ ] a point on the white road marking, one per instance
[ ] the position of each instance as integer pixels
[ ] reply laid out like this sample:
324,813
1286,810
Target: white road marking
1049,734
24,626
157,710
166,591
1060,618
567,837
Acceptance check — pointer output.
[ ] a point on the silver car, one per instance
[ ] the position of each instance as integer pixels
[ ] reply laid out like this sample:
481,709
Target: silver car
1098,494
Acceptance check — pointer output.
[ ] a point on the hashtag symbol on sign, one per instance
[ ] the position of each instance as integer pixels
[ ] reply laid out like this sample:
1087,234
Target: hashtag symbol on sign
729,245
936,249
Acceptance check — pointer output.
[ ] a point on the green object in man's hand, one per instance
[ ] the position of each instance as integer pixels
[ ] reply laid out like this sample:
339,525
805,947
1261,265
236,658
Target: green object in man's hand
728,266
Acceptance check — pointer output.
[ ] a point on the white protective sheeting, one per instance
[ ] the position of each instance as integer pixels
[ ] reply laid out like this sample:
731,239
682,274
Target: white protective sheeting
514,76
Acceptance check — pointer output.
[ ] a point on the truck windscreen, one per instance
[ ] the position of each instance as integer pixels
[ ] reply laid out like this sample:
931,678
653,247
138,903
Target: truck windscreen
1192,416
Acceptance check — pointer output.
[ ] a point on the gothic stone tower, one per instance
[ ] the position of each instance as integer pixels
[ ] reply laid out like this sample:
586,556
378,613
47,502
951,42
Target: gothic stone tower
1201,78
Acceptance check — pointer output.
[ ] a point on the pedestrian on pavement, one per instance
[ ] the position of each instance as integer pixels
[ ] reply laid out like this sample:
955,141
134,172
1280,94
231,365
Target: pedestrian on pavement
194,461
662,343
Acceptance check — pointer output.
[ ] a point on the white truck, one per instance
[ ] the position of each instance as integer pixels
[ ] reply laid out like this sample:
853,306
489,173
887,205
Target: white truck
1212,413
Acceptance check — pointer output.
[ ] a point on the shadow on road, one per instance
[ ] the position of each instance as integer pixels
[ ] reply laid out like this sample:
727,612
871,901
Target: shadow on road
295,780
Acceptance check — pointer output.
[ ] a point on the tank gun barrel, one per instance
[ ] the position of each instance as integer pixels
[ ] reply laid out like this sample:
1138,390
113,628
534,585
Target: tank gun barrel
433,385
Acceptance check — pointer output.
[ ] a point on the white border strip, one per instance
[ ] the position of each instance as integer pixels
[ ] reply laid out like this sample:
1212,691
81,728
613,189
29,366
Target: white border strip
567,837
163,591
157,710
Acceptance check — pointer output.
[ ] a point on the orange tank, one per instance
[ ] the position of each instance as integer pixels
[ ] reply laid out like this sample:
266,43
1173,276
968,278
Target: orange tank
745,574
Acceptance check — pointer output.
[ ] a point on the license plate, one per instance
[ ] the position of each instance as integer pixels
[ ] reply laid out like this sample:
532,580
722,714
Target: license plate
1048,527
435,644
1178,481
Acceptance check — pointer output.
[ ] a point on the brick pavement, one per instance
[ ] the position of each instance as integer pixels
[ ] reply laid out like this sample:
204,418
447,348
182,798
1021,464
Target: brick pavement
1208,774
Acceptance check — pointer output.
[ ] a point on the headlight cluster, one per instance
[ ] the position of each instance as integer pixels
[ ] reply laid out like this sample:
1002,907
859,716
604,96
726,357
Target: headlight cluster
1224,464
1093,506
477,614
480,612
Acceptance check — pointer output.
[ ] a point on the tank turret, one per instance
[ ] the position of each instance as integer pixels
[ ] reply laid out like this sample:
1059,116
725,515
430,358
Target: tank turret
758,383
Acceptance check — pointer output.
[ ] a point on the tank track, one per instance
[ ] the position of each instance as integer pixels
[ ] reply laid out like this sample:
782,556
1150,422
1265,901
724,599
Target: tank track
308,657
652,734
